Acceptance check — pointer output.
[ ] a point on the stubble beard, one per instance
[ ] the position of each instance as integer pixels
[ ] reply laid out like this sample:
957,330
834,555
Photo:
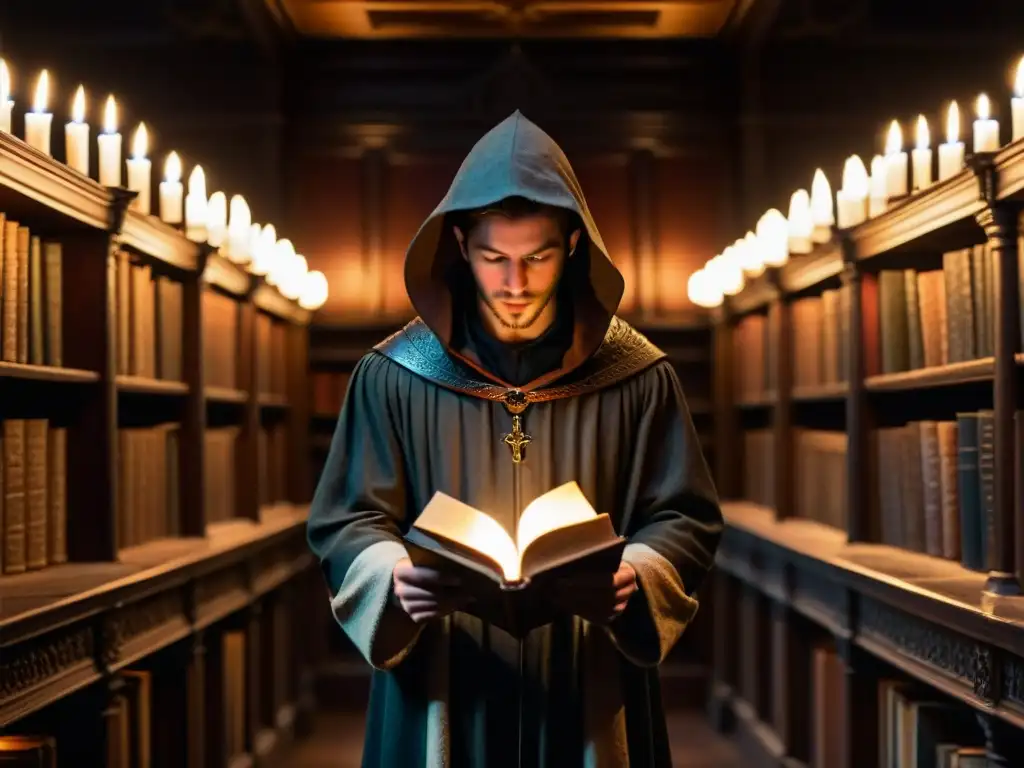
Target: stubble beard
523,321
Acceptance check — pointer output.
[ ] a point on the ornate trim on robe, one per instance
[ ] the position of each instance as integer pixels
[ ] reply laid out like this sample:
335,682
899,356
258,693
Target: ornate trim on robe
376,625
657,615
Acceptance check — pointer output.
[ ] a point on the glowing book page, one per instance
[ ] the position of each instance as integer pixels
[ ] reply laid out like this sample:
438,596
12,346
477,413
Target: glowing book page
560,507
448,518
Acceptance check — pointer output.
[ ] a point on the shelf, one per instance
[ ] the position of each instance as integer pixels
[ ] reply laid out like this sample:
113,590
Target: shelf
1009,163
820,393
804,272
938,376
267,400
144,385
68,625
756,295
46,372
225,395
927,220
150,236
271,301
766,400
227,276
927,616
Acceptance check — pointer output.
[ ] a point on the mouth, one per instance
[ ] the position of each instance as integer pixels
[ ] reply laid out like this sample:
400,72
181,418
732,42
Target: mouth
516,306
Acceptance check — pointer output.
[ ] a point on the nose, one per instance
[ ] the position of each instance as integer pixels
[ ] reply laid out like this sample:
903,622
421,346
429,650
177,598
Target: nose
515,278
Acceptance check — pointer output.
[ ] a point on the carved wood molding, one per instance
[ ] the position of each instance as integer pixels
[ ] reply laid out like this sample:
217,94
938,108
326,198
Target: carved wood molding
51,661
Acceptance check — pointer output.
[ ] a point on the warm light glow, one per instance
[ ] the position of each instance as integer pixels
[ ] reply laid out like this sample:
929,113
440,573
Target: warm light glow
42,96
5,82
855,177
217,212
284,253
893,141
110,116
314,291
78,106
291,282
953,123
172,168
702,290
1018,81
750,255
801,225
197,182
923,138
729,272
773,238
239,223
140,143
822,211
264,251
983,107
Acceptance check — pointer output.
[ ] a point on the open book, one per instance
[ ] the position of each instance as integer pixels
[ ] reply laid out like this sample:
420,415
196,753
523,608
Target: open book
559,533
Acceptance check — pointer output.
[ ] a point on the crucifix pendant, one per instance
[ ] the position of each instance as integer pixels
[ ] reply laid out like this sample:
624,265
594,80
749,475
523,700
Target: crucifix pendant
516,440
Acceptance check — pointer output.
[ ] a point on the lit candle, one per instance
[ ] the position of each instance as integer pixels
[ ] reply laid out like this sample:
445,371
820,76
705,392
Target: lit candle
76,135
140,169
171,191
239,223
1017,102
6,104
801,225
728,261
773,238
895,163
753,261
314,291
284,252
263,253
195,206
216,219
951,152
852,199
290,284
986,130
109,145
38,121
878,200
922,155
822,209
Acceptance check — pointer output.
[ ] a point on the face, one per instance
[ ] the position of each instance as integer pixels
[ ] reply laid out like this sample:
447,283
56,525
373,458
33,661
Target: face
517,264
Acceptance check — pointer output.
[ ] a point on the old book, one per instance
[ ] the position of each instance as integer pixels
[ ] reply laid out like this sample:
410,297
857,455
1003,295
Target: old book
9,329
956,265
14,495
168,328
53,309
28,751
915,306
893,328
932,487
932,298
124,315
972,553
913,488
558,533
987,481
24,267
980,278
35,302
56,497
36,511
949,488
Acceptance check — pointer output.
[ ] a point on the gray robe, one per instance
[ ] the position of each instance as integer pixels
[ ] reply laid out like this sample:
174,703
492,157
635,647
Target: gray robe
420,417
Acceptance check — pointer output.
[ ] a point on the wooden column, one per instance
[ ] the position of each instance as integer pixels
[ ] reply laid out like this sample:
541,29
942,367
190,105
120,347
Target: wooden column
860,497
192,444
726,433
780,330
644,231
1000,224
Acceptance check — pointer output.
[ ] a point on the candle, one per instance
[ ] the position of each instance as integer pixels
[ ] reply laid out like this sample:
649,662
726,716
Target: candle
171,191
76,135
263,252
1017,102
878,200
109,145
38,121
216,219
895,163
239,222
753,261
729,269
314,291
921,157
801,225
140,170
951,152
195,206
773,238
6,105
986,130
852,199
284,252
822,209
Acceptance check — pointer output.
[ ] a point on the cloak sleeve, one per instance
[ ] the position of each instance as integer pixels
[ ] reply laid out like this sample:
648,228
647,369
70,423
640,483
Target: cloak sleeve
356,514
673,522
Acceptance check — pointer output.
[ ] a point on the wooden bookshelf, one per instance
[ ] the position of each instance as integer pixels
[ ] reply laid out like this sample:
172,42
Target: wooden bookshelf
836,611
153,594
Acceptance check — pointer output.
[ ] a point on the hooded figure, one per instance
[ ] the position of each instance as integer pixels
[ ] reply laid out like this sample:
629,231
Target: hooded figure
514,348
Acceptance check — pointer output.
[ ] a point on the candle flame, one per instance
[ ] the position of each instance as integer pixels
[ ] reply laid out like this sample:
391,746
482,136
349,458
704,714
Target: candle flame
42,95
953,123
855,177
172,168
894,139
1018,81
78,105
5,82
821,199
110,116
984,107
197,182
140,143
923,134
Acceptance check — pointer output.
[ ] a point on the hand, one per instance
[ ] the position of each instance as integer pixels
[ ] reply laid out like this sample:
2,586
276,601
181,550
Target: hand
598,598
425,593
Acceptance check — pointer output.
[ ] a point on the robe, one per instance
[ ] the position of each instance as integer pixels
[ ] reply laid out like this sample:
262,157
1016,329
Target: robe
421,416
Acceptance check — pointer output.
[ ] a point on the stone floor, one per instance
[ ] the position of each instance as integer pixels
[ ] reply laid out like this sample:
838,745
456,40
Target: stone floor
337,740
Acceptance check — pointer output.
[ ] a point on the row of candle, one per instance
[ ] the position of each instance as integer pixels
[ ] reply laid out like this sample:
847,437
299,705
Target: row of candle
862,195
223,224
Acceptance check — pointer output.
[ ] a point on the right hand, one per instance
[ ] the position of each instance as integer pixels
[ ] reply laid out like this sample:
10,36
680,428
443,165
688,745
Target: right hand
425,593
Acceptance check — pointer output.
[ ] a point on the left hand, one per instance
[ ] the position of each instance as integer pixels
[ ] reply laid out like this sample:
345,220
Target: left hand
597,598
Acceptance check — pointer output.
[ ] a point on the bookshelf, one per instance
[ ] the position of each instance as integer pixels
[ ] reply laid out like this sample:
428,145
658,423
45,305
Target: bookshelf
155,579
867,600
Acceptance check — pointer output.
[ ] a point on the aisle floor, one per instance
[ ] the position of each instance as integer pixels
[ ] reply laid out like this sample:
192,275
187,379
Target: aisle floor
337,740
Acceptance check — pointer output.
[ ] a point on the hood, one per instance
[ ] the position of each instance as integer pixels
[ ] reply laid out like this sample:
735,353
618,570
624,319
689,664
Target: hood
515,158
